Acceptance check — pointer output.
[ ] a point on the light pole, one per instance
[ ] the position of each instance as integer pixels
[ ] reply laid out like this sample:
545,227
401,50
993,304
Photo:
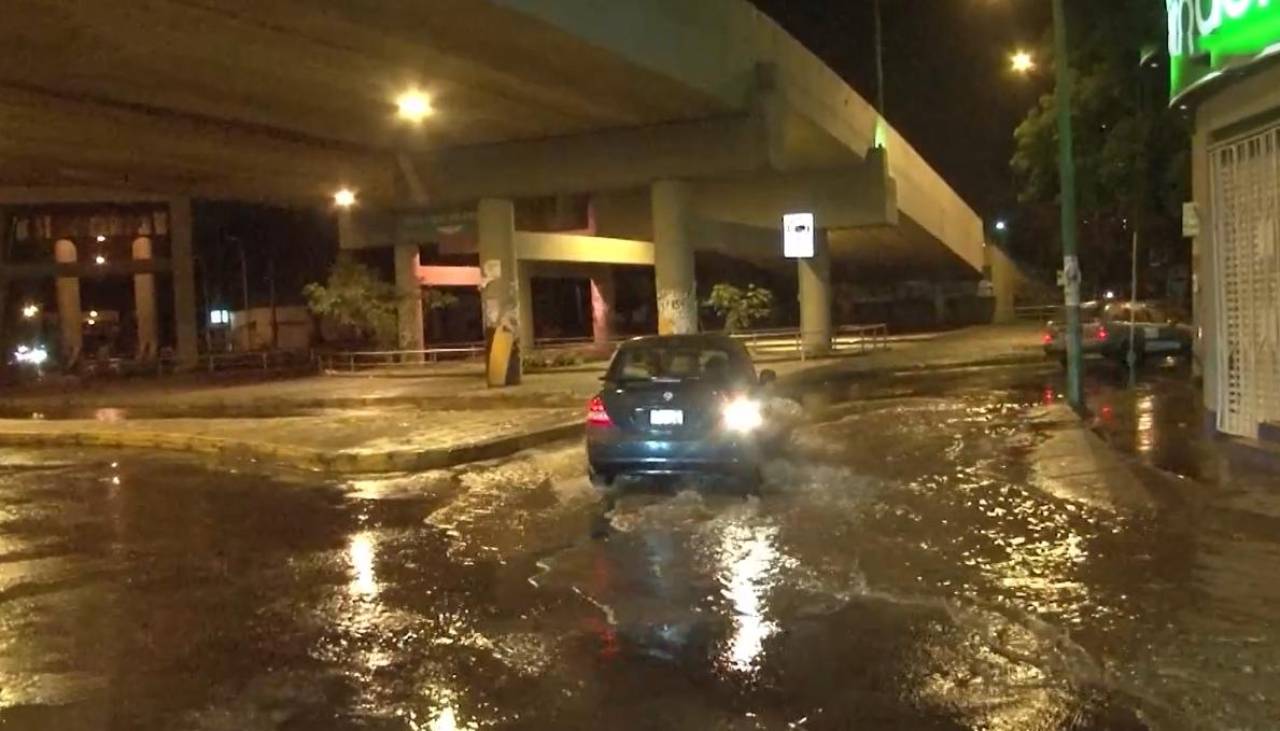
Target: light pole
1067,185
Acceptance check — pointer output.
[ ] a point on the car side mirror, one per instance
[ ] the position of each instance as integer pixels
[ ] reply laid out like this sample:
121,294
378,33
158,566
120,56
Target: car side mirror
768,377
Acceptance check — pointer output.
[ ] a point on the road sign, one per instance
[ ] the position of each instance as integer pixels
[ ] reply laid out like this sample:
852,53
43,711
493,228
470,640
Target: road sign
797,235
1190,220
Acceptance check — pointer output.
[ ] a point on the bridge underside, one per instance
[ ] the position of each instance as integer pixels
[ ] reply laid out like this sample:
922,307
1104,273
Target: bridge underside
697,134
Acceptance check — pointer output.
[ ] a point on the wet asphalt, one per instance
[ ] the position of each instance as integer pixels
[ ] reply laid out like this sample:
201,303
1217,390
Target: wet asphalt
904,567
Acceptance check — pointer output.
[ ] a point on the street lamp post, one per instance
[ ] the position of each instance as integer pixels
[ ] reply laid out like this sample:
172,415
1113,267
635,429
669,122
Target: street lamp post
879,61
1067,183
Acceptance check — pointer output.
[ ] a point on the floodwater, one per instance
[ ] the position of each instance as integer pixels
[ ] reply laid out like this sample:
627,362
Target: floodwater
906,565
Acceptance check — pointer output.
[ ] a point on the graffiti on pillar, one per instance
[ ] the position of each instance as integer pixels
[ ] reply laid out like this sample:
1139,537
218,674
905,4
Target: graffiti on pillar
490,272
677,311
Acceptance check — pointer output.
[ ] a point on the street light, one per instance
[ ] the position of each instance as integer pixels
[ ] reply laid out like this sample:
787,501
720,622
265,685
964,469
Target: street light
99,260
1022,62
1001,225
344,198
30,311
414,106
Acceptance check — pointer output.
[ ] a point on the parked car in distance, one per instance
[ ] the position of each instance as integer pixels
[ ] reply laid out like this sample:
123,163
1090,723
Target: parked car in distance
1108,327
678,404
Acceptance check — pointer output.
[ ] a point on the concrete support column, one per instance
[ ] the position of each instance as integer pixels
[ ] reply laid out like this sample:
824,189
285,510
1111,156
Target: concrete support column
673,258
815,297
940,311
184,282
499,290
144,302
69,318
602,297
1003,284
524,305
409,309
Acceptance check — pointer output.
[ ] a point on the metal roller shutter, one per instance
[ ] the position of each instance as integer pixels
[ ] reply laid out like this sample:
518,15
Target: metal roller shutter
1246,204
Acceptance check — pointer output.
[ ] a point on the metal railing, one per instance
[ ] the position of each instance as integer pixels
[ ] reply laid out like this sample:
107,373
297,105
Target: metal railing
264,360
371,360
779,341
847,338
1036,313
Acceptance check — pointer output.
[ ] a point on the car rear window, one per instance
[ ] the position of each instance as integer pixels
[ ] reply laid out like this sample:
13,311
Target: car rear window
678,362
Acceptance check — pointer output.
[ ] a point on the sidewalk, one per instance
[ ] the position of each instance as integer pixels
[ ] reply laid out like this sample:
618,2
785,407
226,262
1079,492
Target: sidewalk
372,424
395,439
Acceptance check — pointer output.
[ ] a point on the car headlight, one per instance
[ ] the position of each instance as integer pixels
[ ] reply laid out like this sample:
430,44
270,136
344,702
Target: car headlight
743,415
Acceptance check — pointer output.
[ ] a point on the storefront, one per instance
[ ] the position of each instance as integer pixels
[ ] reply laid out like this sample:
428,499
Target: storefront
1225,60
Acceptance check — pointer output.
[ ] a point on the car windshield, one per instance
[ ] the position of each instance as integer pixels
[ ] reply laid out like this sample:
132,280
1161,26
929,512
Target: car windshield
677,362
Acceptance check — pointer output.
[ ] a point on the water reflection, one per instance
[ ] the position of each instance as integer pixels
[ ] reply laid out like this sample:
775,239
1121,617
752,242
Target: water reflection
360,554
1145,440
747,556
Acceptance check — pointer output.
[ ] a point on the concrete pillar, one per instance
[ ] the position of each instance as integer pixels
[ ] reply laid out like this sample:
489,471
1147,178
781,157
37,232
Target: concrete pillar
184,282
144,302
524,305
409,309
815,297
1004,284
673,258
499,290
940,314
69,317
602,297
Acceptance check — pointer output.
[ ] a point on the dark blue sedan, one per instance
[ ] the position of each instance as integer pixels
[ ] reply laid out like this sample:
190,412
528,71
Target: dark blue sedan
679,404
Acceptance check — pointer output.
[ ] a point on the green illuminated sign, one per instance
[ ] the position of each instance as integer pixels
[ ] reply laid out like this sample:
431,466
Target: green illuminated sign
1207,37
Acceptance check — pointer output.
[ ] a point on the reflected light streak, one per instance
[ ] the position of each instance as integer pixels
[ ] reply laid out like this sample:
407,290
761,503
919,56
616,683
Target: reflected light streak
1146,421
360,554
747,555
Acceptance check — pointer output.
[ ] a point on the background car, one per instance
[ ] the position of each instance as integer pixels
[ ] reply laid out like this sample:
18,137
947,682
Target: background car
1108,327
684,404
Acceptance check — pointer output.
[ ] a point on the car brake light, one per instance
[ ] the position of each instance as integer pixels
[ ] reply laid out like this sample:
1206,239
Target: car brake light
1102,333
1048,338
596,415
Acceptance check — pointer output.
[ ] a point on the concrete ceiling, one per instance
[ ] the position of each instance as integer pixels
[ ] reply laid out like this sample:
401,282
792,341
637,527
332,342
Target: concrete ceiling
261,97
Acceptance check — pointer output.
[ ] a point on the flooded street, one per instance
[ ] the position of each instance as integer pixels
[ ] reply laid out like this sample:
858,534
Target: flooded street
909,563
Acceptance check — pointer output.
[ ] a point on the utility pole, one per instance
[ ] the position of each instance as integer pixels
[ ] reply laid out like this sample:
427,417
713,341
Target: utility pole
879,61
244,291
275,318
1067,183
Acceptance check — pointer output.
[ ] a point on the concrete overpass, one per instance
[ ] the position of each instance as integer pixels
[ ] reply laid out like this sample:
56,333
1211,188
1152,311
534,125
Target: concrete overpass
686,125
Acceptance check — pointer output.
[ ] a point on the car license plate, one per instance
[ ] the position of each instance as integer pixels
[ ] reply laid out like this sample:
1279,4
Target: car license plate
666,417
1152,333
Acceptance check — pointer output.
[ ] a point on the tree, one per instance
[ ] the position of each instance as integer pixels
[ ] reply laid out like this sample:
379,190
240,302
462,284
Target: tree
1132,159
740,307
438,299
355,297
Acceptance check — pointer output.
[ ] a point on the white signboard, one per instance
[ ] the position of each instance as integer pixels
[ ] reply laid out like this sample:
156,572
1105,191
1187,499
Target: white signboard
1190,220
797,235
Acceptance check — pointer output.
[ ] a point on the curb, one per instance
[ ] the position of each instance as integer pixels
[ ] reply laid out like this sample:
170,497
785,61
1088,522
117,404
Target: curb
342,462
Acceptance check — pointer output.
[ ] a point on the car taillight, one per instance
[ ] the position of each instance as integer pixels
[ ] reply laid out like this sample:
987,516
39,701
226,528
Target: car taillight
1048,338
1102,333
596,415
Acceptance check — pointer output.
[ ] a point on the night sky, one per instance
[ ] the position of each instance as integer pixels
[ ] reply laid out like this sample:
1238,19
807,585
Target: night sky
948,87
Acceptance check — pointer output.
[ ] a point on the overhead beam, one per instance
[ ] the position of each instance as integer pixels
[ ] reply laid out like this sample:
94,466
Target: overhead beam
119,146
599,161
848,197
582,249
124,267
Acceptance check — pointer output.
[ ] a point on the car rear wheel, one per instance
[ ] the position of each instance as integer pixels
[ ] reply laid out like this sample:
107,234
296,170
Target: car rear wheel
600,480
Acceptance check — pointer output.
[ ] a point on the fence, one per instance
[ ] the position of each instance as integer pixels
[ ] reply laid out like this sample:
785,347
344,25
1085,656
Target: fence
376,360
779,341
1037,313
847,338
264,360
